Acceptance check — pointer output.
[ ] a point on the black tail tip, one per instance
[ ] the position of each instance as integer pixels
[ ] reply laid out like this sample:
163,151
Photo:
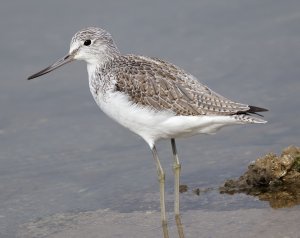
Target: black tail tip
254,109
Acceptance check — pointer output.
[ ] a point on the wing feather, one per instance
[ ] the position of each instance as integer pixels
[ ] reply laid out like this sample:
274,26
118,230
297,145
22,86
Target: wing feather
163,86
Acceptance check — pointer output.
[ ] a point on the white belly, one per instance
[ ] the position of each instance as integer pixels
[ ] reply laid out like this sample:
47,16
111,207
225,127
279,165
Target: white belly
153,125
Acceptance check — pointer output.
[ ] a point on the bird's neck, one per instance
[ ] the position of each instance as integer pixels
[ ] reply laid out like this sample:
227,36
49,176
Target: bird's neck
96,68
98,81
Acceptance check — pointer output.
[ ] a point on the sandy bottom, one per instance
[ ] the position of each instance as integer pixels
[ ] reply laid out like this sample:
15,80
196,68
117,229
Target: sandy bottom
104,223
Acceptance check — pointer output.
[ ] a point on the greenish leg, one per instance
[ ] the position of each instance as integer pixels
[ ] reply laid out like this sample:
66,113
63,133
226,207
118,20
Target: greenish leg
176,170
161,179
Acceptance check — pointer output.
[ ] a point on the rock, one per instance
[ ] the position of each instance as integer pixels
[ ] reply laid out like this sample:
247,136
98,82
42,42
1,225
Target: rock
272,178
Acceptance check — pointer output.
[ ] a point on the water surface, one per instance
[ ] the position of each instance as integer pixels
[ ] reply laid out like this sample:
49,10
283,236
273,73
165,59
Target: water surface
60,154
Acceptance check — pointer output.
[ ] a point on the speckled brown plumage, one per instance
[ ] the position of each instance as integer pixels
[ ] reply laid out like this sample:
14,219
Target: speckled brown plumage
163,86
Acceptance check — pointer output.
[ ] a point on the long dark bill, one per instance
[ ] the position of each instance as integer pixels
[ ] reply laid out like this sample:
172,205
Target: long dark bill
67,59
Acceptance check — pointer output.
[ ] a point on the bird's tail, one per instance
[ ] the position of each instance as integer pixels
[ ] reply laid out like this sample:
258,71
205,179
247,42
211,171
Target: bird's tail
244,118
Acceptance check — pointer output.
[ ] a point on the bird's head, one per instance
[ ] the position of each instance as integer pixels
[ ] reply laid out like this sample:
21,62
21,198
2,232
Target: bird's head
93,45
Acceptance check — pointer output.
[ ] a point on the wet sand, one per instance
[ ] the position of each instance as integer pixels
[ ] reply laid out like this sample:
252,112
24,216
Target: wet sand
246,223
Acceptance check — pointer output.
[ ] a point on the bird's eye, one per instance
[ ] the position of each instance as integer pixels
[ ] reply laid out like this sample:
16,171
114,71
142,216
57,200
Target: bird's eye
87,42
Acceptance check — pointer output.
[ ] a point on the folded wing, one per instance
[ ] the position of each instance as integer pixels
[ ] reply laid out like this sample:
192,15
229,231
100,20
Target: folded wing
163,86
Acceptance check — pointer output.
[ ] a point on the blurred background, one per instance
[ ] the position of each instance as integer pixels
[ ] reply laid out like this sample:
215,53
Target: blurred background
59,153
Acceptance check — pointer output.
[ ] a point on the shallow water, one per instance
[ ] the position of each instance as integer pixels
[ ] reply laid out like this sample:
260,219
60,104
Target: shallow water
59,153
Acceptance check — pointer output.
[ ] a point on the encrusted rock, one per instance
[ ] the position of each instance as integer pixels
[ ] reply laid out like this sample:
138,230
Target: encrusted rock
272,178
